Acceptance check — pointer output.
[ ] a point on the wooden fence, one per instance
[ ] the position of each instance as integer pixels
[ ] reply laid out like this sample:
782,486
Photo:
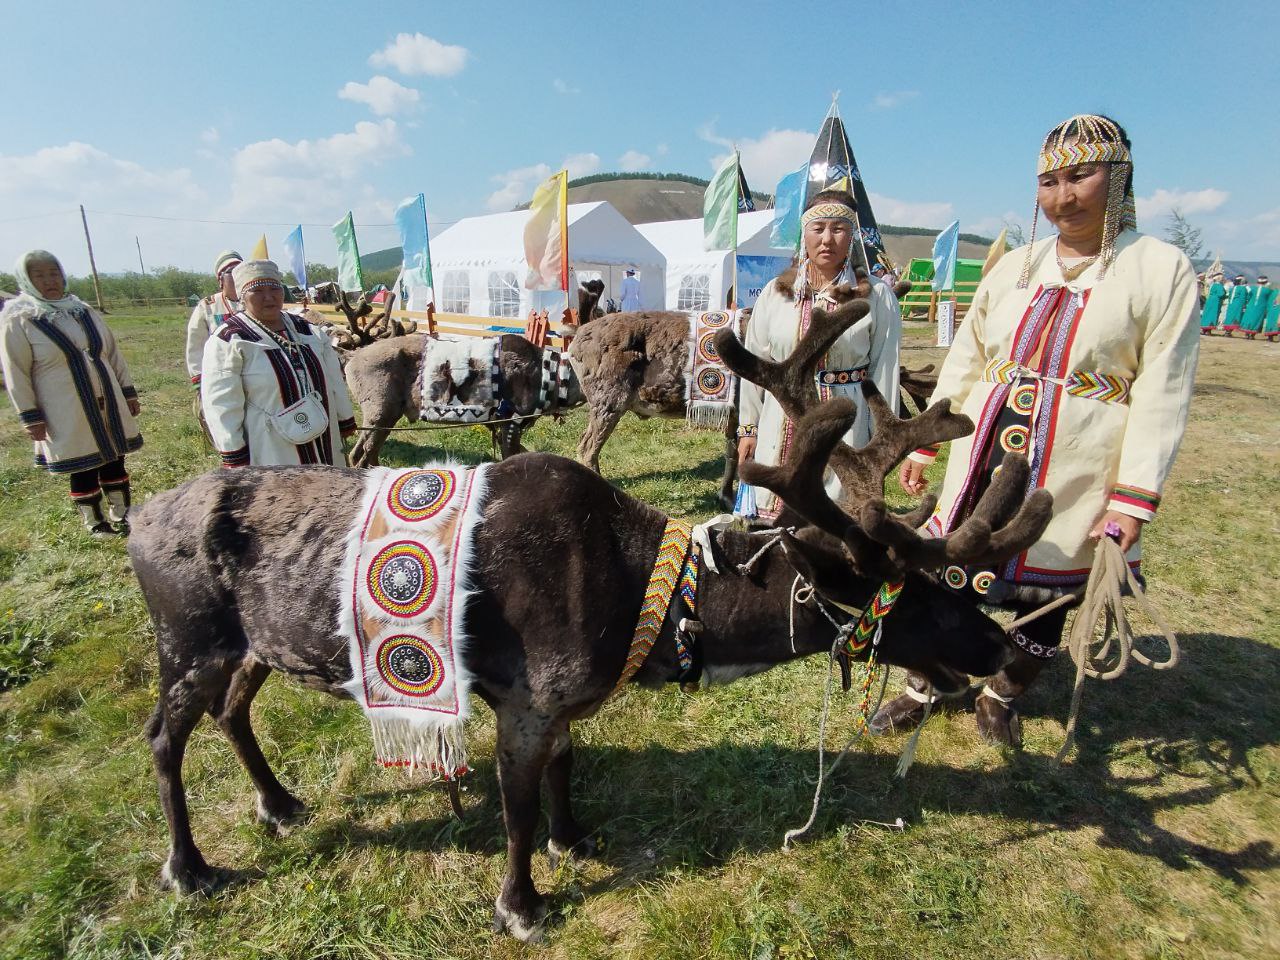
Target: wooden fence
922,302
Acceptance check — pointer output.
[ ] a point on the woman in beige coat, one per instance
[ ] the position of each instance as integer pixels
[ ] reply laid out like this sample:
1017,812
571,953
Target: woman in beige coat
72,390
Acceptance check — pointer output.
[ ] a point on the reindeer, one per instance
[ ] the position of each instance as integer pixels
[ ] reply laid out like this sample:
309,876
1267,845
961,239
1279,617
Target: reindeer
217,560
383,379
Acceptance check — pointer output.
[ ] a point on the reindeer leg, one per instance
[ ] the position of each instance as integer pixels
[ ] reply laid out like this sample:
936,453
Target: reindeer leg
524,745
568,837
727,498
600,425
998,719
277,807
176,714
369,446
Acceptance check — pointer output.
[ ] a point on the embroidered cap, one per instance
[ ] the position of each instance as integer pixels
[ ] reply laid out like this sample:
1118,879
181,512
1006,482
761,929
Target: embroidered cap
256,273
227,260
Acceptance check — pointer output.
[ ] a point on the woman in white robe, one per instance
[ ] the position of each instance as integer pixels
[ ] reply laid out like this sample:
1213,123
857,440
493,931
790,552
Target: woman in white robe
262,360
1079,352
867,350
71,387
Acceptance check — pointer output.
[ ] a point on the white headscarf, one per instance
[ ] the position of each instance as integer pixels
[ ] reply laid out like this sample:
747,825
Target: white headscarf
66,302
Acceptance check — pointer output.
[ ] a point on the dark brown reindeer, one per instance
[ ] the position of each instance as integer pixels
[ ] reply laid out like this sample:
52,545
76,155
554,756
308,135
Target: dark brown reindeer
383,379
217,560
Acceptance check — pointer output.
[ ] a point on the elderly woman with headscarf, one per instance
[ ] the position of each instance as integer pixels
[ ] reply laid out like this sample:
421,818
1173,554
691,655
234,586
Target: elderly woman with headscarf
72,390
831,245
211,312
271,386
1079,352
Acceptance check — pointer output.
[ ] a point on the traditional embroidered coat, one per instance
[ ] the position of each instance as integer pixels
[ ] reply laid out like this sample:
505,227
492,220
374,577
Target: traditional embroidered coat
1212,306
248,377
209,314
1103,372
1237,301
1255,314
870,348
1271,326
63,368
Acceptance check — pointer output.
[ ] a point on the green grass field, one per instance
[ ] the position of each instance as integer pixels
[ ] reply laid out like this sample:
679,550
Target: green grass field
1157,839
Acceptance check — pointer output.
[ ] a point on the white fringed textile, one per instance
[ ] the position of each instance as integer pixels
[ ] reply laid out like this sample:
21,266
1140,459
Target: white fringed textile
709,386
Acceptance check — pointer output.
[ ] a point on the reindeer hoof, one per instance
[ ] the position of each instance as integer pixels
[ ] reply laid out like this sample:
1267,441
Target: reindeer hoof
584,849
998,724
899,714
200,879
282,814
528,927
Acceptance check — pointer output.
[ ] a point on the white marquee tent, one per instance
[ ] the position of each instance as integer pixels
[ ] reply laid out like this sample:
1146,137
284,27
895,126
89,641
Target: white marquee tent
699,279
479,267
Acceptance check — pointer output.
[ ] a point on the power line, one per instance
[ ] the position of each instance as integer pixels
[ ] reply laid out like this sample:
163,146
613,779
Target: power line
240,223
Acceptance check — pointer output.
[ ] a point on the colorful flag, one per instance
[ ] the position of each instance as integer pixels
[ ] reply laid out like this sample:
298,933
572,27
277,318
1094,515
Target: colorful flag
945,249
260,249
350,276
720,207
998,250
411,218
546,235
294,250
745,203
788,204
832,161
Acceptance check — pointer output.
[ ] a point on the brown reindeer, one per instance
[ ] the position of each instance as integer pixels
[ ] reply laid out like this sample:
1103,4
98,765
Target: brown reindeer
218,557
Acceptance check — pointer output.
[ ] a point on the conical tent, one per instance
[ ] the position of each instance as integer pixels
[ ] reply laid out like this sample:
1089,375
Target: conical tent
833,160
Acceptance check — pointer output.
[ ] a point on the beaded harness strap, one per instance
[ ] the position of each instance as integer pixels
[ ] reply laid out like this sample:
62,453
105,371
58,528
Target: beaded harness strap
667,567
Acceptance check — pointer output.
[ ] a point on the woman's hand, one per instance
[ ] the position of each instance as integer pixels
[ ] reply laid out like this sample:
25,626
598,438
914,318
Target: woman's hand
1130,528
133,405
912,479
746,449
37,432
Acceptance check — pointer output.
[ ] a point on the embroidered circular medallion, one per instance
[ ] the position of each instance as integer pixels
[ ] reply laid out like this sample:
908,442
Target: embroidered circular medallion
982,581
707,348
1023,399
402,579
410,665
711,381
1014,439
301,418
956,578
717,319
420,494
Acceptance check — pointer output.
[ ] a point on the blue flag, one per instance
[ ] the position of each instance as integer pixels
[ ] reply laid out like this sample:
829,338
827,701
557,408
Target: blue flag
296,256
411,218
945,249
787,203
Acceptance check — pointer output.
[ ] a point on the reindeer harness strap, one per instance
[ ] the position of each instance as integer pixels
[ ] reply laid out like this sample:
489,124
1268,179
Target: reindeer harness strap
668,565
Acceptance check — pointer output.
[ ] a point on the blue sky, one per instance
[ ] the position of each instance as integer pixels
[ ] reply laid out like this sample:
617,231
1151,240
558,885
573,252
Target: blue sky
274,113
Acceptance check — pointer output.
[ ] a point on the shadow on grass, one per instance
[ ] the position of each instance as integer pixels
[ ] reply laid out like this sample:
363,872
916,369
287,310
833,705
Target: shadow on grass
1190,731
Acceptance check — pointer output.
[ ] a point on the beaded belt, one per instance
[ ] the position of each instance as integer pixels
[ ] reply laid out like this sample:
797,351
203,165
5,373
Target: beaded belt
826,379
1089,384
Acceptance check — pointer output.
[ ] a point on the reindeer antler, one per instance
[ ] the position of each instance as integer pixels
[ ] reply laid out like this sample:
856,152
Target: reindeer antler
1000,526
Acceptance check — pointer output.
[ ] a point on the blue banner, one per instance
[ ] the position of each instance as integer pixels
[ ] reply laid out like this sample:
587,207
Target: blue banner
754,273
411,218
945,249
787,204
296,256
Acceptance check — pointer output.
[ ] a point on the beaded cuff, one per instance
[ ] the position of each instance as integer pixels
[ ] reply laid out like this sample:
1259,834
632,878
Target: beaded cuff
235,458
31,417
746,430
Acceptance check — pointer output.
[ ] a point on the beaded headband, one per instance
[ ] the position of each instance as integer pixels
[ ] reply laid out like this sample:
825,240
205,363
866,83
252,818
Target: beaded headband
828,211
1074,154
261,282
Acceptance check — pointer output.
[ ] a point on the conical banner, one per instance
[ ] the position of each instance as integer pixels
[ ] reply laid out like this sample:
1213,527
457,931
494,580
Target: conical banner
832,160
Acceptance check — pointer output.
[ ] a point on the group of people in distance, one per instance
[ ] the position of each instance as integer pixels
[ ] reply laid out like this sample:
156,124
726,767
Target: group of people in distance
1079,353
1251,308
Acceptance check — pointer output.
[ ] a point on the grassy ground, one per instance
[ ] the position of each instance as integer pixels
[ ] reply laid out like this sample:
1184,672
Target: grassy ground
1156,840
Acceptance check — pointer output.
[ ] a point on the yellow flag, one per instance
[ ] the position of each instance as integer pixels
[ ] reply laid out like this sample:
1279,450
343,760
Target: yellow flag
546,235
260,251
996,252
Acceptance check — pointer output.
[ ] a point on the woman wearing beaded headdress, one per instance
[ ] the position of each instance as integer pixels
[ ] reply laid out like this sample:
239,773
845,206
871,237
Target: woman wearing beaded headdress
1237,302
72,390
1214,295
1078,353
869,349
1260,296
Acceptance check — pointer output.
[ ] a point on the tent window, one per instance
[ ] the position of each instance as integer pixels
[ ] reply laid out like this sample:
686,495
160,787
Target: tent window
695,292
504,294
455,296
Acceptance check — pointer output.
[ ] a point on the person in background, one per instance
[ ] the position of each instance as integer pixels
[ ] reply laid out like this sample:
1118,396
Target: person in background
72,390
1261,295
1237,301
630,292
262,360
211,312
1271,325
1215,293
1079,352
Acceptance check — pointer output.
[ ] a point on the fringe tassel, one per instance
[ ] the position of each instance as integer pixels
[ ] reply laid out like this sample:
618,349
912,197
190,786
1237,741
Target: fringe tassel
708,415
439,749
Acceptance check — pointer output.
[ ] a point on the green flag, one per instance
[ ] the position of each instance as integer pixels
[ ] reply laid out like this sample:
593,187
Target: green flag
720,208
350,276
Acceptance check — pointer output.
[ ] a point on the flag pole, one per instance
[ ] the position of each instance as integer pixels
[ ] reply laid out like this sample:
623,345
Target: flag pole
733,290
564,243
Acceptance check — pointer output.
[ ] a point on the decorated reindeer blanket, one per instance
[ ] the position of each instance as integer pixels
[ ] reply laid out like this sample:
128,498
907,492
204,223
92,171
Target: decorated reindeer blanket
404,583
458,382
708,383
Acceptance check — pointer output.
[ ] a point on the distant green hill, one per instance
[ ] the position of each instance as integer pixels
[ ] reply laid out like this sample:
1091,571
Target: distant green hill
388,259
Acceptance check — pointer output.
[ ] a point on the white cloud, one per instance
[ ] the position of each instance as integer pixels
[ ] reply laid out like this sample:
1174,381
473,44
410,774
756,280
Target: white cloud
991,226
911,213
210,136
1163,202
767,159
634,160
887,101
561,87
662,150
416,54
381,94
516,186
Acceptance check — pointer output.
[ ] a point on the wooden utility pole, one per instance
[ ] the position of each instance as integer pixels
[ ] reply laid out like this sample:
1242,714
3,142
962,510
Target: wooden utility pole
140,265
97,287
